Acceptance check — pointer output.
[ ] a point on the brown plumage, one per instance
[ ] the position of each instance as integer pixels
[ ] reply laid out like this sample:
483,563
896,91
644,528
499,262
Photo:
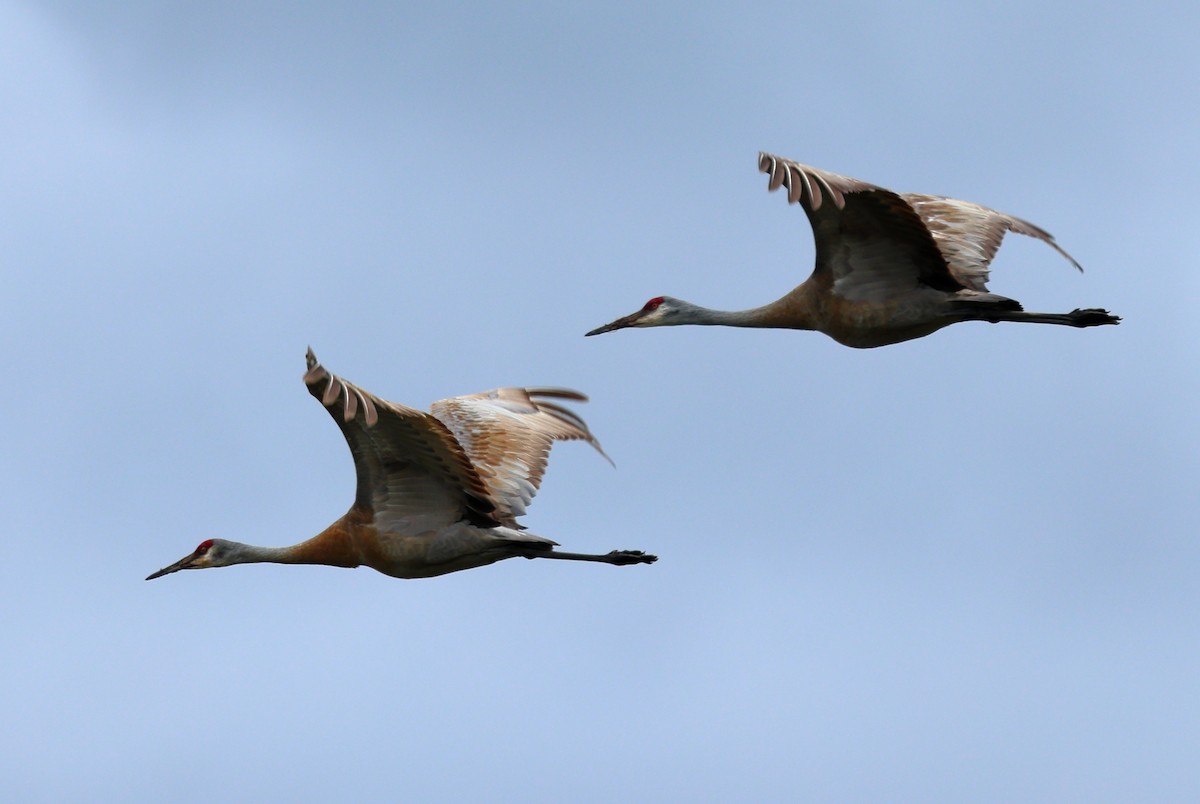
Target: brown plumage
437,492
889,266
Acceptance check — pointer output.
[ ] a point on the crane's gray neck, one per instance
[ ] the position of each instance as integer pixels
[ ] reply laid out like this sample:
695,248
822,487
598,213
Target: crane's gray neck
767,315
239,553
334,549
730,318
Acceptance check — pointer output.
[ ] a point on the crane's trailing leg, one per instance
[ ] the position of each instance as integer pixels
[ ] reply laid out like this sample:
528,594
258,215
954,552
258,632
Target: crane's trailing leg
618,558
1089,317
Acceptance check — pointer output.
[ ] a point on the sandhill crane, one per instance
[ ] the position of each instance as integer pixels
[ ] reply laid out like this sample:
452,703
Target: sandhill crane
437,492
890,266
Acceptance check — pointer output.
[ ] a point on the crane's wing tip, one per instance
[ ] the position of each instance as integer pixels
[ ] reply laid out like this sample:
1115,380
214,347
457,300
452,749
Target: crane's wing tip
314,372
603,454
1054,244
556,393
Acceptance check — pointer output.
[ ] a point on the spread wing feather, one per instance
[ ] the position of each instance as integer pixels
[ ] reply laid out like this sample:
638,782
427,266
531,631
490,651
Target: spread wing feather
413,476
968,235
876,244
507,433
869,240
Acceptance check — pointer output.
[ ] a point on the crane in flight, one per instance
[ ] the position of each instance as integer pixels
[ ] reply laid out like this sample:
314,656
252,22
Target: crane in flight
890,266
437,492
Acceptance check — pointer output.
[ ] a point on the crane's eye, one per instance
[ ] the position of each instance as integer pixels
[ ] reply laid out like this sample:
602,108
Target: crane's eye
653,304
203,547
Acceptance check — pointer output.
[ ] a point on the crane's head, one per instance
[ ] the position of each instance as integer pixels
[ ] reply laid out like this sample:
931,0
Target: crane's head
209,553
659,311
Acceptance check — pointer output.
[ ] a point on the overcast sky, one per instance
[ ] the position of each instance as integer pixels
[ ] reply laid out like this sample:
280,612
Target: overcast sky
961,568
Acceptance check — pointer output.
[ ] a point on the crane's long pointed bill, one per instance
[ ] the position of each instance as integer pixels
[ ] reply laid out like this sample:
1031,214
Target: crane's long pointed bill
620,323
178,565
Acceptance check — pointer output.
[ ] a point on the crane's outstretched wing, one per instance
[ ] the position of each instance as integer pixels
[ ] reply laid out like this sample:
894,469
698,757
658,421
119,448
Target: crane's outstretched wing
507,433
413,476
870,241
968,234
877,244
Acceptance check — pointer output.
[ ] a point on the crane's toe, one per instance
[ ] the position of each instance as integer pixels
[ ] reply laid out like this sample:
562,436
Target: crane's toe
623,557
1092,317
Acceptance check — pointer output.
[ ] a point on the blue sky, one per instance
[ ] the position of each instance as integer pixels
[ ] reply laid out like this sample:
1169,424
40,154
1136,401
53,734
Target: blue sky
960,568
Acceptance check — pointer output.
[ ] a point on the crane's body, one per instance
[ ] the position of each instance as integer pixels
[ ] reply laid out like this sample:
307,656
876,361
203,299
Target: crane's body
437,492
890,266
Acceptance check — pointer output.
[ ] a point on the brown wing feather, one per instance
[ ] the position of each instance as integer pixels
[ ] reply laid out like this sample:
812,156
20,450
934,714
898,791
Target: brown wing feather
508,433
869,239
412,473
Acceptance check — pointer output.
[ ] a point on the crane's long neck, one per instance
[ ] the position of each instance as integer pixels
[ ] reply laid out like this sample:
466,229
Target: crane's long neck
254,554
334,546
783,314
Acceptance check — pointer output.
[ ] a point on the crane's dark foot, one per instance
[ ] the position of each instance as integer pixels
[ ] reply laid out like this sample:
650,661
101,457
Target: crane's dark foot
621,558
1092,317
